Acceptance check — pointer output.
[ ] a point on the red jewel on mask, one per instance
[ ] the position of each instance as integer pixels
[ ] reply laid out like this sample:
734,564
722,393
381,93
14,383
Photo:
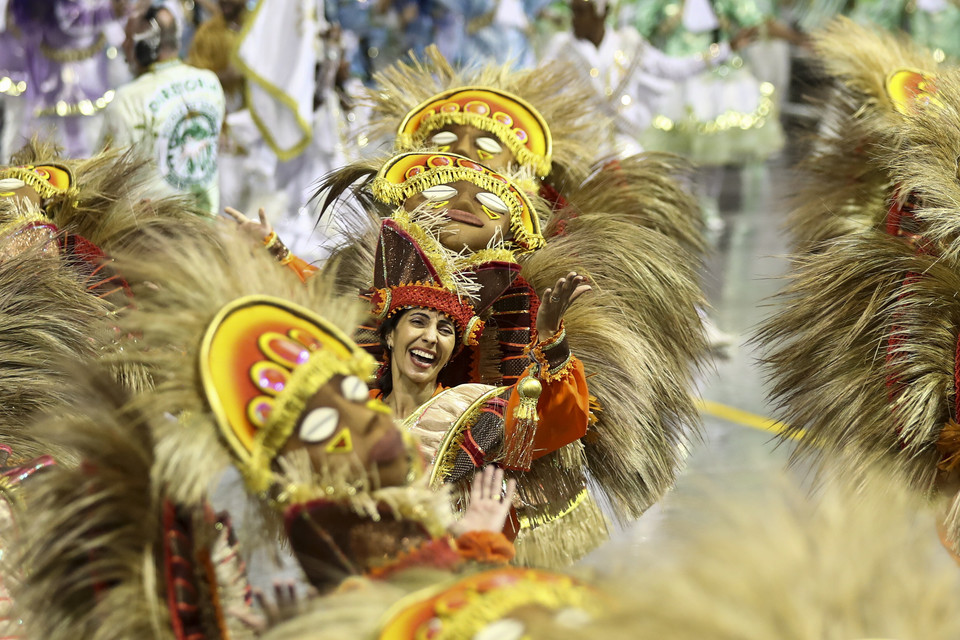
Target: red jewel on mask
467,164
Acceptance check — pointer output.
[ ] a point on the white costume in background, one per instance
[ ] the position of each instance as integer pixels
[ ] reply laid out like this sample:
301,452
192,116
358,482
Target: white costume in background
173,113
629,76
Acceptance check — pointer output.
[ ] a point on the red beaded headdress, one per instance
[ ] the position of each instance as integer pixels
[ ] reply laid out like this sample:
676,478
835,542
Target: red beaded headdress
406,277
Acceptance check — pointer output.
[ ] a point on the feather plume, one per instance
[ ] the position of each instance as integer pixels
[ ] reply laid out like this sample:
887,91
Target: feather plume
179,290
826,350
925,164
639,337
46,318
844,183
97,523
782,564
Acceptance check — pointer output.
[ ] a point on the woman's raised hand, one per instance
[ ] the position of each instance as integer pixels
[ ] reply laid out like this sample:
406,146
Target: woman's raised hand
255,230
555,301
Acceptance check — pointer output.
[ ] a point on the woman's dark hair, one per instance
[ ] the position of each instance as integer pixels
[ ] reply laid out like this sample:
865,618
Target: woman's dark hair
384,381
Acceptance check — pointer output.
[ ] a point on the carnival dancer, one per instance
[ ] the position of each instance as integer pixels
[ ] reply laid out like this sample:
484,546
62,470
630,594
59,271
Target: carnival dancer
500,223
723,116
859,353
288,413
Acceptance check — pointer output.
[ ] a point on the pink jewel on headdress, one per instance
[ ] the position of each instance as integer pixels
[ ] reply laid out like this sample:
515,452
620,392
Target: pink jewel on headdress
478,107
413,171
284,350
439,161
498,178
434,627
450,107
521,135
469,164
269,377
304,338
258,410
503,118
290,350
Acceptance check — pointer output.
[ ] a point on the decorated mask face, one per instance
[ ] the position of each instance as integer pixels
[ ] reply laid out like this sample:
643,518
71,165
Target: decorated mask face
281,379
35,184
474,143
474,216
476,205
19,191
346,433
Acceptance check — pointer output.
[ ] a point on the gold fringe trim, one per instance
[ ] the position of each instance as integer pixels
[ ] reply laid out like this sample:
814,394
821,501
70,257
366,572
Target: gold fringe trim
83,108
559,539
727,120
73,55
446,456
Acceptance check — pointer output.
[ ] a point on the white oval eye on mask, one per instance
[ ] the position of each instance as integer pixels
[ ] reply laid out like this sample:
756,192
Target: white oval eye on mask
11,184
354,389
489,145
492,202
439,192
319,425
444,138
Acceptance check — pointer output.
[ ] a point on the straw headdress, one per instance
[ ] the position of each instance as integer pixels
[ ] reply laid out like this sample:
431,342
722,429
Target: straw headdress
553,93
845,184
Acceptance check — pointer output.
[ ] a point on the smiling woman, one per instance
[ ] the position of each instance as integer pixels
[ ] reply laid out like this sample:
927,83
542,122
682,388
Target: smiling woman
422,341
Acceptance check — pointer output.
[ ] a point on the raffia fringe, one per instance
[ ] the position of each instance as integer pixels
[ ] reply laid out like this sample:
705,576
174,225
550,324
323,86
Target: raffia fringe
560,542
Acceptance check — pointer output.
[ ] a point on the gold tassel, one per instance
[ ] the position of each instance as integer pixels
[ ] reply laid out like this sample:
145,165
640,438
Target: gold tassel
518,452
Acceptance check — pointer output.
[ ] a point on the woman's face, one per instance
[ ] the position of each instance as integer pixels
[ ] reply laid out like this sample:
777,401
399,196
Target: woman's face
421,344
478,145
473,216
342,431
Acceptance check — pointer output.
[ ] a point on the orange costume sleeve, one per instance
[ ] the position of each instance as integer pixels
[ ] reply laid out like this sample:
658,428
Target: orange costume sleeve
563,409
284,256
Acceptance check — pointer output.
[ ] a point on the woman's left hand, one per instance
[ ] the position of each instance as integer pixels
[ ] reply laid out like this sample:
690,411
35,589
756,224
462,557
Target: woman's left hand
255,230
555,302
489,503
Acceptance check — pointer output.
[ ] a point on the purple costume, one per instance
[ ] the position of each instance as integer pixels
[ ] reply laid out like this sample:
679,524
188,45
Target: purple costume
61,55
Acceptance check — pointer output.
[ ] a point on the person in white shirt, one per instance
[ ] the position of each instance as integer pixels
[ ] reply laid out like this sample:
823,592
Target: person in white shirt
627,72
170,111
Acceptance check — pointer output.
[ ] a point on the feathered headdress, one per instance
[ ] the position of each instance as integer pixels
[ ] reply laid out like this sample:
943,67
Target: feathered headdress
543,115
243,350
846,184
405,276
